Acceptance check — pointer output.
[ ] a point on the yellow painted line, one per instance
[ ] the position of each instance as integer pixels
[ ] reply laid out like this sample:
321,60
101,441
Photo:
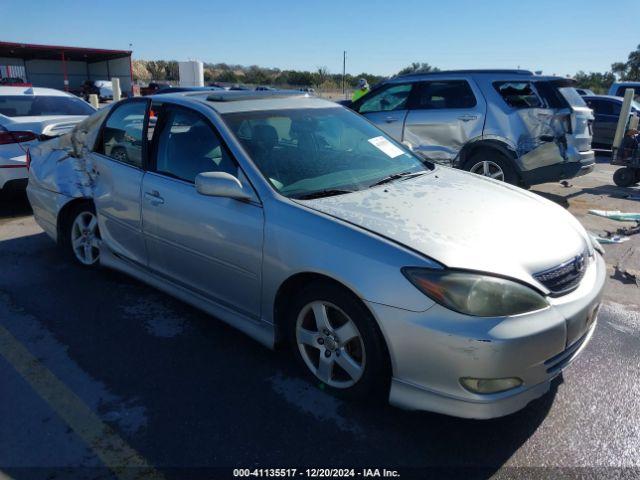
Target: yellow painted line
114,452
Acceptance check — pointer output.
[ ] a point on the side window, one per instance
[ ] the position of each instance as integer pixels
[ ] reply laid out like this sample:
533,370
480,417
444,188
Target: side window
444,94
519,94
599,107
123,132
615,108
188,146
394,97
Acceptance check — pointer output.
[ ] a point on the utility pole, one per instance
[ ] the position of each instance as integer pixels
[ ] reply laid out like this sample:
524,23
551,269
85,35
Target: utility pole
344,72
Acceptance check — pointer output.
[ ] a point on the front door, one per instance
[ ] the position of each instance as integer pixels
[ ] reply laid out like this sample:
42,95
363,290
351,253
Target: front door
118,161
443,116
210,245
387,108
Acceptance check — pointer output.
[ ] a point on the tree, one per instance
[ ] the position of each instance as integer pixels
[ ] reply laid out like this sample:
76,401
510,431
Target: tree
620,69
633,65
140,72
596,81
322,75
418,67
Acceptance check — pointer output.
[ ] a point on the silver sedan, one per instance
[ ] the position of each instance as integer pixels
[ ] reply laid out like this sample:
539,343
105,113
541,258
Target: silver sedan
300,223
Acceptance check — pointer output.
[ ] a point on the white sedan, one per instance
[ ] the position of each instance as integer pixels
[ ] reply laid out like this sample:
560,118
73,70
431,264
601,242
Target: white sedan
28,115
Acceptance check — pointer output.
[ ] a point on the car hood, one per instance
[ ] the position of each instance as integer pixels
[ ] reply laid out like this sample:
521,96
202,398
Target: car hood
465,221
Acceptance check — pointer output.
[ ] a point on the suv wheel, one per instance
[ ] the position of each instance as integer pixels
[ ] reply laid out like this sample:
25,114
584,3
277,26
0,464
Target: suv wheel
335,339
490,163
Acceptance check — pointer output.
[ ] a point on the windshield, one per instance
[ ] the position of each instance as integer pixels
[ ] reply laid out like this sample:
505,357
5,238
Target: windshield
572,96
333,150
36,106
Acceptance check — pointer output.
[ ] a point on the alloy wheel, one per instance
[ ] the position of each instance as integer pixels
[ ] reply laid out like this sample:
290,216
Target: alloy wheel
330,344
488,168
85,238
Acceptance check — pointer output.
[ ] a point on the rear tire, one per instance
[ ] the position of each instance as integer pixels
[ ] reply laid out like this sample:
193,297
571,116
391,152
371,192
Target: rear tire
493,164
81,235
625,177
337,342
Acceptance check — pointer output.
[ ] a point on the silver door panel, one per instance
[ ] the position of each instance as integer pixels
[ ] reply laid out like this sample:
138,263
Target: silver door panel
210,244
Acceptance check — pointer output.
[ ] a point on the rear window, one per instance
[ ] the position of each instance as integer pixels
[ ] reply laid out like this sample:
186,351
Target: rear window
572,96
621,90
519,94
444,95
36,106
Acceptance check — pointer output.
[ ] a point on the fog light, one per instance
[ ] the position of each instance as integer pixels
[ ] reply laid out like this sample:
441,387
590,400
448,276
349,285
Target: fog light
490,385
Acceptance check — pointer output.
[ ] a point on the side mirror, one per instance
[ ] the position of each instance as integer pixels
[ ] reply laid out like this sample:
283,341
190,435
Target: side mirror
220,184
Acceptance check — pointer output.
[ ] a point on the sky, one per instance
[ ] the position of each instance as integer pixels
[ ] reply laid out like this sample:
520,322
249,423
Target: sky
380,37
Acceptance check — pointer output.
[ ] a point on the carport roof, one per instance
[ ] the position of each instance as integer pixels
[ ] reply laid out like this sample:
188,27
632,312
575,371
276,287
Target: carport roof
29,51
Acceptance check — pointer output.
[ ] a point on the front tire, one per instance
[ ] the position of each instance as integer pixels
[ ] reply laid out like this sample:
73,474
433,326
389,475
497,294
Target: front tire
82,240
337,342
493,164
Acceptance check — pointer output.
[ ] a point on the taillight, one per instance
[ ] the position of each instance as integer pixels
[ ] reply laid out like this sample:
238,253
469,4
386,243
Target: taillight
7,136
28,160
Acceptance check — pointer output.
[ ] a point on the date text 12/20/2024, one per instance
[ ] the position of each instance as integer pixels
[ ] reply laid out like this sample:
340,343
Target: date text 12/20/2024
316,472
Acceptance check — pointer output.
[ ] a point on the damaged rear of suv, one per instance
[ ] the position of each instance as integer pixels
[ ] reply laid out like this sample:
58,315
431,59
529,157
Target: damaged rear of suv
510,125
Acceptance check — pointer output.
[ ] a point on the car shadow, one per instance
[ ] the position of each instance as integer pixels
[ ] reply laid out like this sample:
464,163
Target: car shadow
14,204
611,191
208,395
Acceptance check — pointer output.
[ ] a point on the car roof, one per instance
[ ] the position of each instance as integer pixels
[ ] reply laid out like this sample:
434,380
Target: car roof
605,97
626,82
234,101
33,91
500,74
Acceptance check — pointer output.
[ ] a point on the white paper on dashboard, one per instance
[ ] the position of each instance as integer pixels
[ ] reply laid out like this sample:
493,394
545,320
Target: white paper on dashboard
386,146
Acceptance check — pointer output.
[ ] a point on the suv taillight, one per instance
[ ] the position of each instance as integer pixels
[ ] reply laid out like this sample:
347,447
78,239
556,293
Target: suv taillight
7,136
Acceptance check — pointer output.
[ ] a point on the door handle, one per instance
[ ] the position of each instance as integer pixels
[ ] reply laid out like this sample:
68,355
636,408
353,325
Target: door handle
390,119
153,197
467,118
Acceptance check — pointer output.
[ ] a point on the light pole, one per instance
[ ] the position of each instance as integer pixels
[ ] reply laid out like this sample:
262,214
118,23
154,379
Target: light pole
344,70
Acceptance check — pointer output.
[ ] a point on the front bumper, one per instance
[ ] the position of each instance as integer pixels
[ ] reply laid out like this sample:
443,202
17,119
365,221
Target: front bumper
430,351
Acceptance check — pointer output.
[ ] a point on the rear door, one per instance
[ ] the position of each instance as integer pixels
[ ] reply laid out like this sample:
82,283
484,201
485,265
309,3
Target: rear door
211,245
119,160
386,107
444,114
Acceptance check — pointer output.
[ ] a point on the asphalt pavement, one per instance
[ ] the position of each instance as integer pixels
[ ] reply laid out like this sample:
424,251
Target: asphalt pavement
99,372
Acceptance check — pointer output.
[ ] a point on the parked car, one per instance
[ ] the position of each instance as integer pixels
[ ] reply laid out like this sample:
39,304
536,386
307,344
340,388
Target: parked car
28,115
102,88
264,88
170,89
584,91
13,82
301,223
618,88
152,88
606,109
510,125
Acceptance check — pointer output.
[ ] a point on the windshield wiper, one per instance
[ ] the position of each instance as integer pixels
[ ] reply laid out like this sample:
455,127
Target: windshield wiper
330,192
396,176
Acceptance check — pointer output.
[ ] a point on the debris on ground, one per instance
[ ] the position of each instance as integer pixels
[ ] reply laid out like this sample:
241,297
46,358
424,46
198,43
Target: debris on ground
625,267
611,239
565,184
617,215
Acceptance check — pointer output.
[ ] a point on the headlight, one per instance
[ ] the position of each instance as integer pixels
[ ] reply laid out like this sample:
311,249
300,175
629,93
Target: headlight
474,293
